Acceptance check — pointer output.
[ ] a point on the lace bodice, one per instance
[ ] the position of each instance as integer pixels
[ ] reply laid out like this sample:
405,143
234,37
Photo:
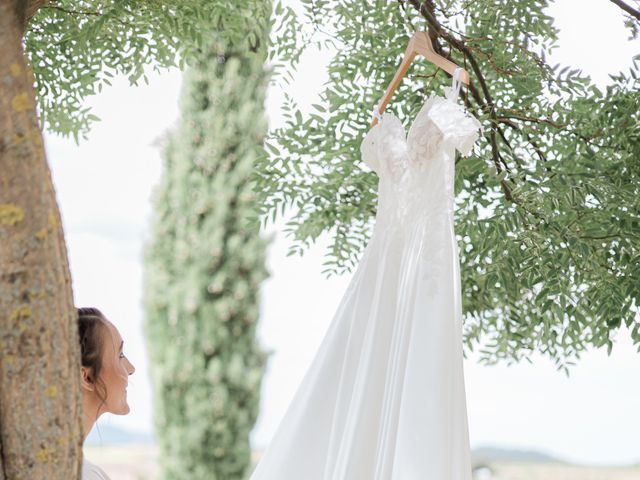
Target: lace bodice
417,166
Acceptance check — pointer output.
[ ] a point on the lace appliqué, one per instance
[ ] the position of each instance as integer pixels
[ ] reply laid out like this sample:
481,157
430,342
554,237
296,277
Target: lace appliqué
384,147
424,138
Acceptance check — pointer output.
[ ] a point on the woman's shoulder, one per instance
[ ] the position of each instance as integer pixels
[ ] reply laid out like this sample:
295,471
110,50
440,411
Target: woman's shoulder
91,471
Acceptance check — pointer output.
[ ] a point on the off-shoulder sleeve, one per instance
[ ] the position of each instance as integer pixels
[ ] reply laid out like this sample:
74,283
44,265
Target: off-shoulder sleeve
368,149
459,128
383,147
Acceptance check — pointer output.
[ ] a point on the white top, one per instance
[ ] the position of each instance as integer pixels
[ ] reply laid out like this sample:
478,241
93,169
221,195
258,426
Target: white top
92,472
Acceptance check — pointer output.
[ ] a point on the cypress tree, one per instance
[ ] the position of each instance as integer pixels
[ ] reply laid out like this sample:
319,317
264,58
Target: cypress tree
203,268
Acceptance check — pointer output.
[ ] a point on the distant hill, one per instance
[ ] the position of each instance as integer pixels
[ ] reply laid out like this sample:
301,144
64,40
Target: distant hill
110,435
494,454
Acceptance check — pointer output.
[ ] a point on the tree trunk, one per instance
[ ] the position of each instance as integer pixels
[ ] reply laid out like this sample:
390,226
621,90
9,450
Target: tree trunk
40,400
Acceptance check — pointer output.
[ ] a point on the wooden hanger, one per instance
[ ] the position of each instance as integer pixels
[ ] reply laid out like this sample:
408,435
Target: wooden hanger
419,43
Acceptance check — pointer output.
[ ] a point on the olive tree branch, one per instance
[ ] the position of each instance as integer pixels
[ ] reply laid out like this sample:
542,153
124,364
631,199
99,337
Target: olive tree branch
630,10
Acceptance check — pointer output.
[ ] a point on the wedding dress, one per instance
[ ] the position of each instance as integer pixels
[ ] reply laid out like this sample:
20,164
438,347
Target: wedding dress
384,397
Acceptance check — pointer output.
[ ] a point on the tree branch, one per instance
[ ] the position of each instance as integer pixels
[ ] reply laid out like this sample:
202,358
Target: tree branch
436,30
527,118
75,12
630,10
86,12
32,7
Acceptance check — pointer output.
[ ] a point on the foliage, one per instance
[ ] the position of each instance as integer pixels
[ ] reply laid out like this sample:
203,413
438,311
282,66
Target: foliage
203,271
76,47
547,206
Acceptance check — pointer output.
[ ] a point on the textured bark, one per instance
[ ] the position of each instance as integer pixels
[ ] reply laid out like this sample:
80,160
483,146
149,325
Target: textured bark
40,400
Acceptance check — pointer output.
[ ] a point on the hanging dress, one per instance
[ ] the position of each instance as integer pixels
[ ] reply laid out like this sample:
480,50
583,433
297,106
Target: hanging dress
384,396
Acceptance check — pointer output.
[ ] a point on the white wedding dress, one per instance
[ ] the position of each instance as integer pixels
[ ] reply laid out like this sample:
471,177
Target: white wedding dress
384,397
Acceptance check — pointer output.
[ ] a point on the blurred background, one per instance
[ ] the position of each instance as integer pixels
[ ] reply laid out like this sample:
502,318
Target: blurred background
526,421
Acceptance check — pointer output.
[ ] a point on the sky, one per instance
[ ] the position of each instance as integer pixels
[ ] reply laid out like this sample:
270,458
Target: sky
104,186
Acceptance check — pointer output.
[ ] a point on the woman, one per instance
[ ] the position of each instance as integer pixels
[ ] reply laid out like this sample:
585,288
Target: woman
105,375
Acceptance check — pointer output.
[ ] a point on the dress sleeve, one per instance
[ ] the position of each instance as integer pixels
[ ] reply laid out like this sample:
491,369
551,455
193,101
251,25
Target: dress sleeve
459,128
368,149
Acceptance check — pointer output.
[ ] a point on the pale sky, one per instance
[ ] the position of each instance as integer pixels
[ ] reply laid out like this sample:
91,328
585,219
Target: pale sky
104,188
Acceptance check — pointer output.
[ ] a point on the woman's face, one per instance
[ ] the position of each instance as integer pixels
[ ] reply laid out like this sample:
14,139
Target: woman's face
115,372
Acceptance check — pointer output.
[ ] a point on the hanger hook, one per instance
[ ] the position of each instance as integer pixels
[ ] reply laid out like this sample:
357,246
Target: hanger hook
452,91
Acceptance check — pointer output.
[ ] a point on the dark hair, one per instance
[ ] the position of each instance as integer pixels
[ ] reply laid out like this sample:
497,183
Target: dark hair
92,326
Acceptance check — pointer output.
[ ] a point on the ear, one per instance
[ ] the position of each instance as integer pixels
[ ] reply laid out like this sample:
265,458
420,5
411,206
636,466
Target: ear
86,379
